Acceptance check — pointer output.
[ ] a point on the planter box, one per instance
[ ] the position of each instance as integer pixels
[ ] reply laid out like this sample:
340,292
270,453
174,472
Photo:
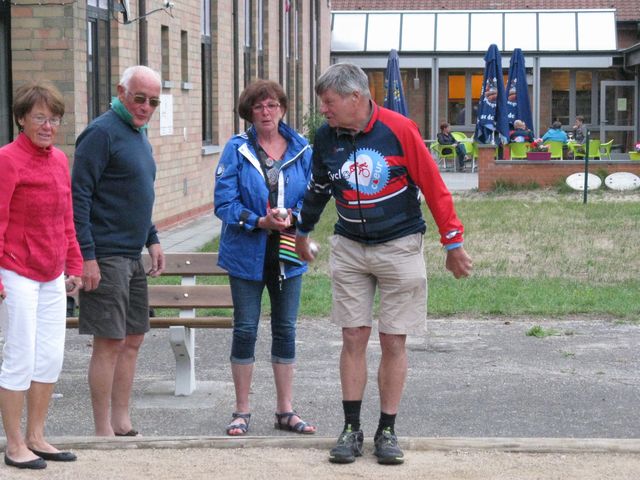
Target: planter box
538,155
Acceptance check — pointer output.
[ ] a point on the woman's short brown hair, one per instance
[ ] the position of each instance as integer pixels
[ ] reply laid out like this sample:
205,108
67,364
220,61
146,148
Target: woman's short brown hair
444,125
256,92
33,92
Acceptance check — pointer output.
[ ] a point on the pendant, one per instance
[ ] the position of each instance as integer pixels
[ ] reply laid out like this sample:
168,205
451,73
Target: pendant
268,161
272,177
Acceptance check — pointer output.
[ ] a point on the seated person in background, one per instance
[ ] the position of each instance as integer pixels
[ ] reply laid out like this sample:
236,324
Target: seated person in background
445,138
555,133
580,130
520,133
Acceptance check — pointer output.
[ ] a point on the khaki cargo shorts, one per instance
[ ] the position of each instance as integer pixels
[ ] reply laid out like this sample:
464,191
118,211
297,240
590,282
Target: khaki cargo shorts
396,268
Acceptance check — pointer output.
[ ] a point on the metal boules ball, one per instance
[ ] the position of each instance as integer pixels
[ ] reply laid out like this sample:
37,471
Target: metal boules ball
282,213
314,248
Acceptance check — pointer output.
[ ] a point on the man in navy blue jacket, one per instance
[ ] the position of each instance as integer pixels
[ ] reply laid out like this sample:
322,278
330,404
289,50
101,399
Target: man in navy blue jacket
374,163
113,194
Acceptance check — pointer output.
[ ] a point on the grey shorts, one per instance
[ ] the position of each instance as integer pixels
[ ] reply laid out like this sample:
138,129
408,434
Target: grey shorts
395,268
120,305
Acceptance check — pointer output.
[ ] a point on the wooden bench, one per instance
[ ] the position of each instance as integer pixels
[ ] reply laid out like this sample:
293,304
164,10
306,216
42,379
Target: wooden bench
187,297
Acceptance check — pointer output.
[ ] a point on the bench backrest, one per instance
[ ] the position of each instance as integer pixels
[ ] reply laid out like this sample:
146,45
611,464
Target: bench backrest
187,296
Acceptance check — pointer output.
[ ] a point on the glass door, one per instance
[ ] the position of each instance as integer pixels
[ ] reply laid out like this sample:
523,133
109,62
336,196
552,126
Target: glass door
617,113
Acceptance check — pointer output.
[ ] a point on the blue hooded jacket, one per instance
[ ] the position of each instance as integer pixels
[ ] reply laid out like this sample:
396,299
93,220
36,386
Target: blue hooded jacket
241,195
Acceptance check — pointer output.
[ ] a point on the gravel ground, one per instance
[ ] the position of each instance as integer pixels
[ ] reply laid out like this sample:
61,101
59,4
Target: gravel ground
271,463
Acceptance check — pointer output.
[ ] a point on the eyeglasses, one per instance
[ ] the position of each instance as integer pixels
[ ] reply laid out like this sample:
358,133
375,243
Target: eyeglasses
141,98
41,120
271,107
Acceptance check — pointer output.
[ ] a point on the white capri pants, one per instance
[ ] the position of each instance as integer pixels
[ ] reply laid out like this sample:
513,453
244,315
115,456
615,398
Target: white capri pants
33,328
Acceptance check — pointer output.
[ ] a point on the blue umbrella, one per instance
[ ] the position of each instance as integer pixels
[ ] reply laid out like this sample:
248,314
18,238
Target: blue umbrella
492,125
393,94
518,105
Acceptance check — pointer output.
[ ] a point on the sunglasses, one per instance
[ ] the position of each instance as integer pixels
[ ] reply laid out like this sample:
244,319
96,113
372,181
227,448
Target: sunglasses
140,98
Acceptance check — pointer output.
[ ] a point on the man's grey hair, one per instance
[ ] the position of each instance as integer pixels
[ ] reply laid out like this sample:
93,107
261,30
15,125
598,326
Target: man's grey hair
128,74
344,79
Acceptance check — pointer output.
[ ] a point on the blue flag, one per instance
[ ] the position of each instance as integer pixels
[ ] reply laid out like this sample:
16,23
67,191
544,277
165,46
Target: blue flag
393,94
492,125
518,105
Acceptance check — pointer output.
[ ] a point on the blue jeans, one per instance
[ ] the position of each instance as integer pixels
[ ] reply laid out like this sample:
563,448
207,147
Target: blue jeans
247,296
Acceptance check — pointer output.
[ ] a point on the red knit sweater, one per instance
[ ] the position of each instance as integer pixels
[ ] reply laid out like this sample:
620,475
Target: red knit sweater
37,235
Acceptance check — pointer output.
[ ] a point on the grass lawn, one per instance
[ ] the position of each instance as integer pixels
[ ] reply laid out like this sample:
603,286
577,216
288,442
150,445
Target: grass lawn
536,253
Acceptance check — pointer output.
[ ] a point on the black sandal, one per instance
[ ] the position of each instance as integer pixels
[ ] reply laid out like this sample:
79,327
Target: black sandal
298,427
243,427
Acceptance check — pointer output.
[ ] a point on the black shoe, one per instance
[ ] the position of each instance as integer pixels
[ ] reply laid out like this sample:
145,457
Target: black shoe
37,464
56,457
387,449
348,447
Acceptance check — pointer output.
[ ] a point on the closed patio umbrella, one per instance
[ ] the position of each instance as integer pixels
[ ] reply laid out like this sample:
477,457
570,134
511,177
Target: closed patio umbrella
492,125
518,105
393,94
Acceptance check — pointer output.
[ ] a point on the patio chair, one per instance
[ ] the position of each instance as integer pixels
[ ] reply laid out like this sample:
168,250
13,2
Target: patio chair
605,149
634,155
518,150
556,149
474,155
444,153
464,140
579,150
459,136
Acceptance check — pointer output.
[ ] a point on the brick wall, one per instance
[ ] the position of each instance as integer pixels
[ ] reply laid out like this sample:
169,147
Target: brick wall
544,173
49,40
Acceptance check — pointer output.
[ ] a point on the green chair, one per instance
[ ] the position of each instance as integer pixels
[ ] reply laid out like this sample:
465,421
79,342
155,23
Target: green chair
474,155
555,147
605,149
518,150
634,155
444,153
579,150
459,136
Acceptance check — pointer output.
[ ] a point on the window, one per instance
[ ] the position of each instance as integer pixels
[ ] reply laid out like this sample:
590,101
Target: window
206,69
418,31
456,99
184,57
387,23
98,58
6,121
165,56
463,95
248,44
486,28
260,39
583,95
560,96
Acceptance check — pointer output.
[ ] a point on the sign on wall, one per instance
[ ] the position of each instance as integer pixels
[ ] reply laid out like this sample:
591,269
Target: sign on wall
166,115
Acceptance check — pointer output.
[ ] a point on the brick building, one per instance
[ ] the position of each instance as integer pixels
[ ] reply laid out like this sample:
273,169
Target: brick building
581,57
206,51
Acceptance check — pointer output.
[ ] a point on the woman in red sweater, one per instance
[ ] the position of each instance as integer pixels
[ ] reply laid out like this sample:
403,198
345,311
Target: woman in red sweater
37,247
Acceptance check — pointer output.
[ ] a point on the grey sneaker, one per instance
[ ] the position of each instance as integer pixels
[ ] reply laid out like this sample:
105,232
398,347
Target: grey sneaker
387,449
348,447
